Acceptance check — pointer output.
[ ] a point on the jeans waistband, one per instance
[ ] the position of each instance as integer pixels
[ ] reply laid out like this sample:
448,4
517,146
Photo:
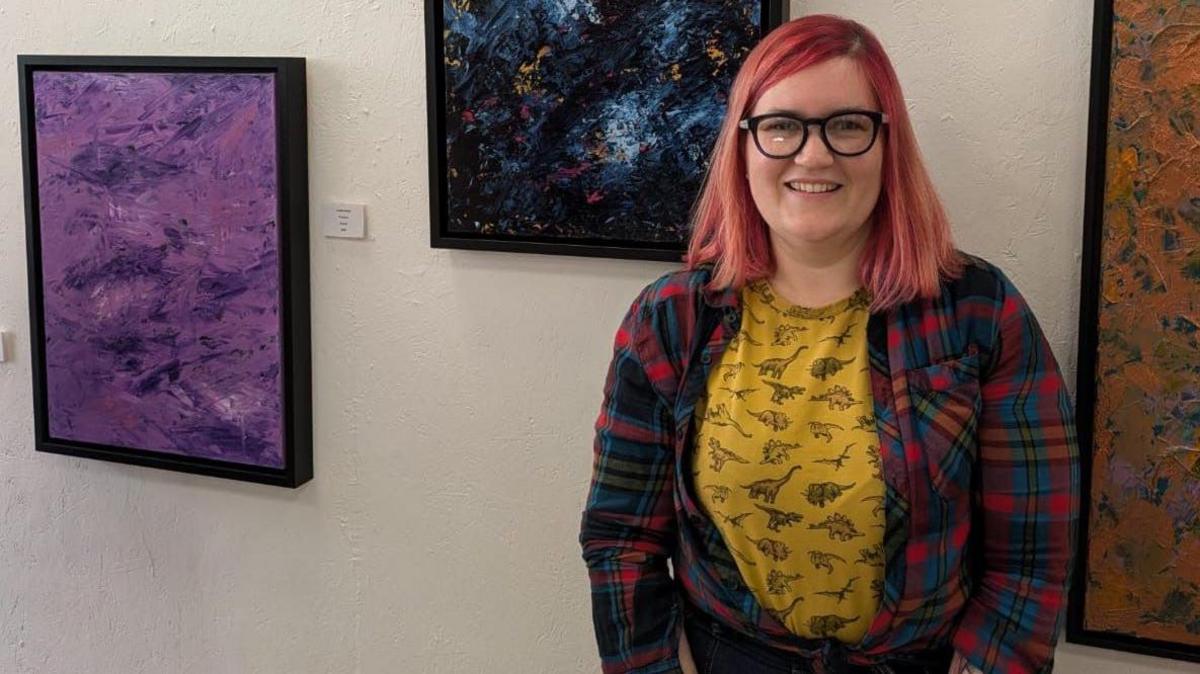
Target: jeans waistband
824,656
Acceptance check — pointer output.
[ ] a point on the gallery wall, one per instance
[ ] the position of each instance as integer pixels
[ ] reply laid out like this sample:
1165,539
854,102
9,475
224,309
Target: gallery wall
454,391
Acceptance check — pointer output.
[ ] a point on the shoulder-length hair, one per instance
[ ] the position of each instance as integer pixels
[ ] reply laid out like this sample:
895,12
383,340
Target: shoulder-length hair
909,247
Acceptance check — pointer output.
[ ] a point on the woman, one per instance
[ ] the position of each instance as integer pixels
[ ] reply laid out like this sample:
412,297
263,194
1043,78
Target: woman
851,440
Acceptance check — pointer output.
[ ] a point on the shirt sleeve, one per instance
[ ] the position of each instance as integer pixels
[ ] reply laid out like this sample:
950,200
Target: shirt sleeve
1029,477
628,529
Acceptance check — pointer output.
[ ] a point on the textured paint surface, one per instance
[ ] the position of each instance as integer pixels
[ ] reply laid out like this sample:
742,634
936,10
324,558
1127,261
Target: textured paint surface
586,118
157,197
1144,526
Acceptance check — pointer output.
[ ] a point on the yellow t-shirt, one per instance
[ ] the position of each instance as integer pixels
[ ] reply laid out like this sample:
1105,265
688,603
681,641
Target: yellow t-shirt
787,464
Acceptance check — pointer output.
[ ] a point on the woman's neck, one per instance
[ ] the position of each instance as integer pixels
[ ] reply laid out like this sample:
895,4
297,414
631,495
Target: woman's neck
816,276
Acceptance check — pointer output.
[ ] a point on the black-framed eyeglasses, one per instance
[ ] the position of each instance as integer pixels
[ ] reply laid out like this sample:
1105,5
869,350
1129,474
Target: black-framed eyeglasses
848,133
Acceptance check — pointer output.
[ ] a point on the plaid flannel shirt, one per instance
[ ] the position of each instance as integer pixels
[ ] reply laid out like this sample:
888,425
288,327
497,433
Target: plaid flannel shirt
980,461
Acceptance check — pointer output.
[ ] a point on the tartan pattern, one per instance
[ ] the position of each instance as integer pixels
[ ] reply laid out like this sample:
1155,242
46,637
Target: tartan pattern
980,458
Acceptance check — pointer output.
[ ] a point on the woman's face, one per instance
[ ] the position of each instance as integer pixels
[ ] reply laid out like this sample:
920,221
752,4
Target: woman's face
799,219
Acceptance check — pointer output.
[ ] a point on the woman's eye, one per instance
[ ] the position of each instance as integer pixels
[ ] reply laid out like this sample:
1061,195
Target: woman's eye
781,125
847,125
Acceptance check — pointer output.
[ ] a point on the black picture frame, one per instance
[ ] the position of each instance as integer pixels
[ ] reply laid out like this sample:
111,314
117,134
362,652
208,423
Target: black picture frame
1086,393
293,264
774,13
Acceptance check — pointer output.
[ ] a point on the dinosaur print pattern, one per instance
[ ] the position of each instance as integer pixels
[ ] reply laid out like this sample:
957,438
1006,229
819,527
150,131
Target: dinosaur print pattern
822,494
718,493
782,392
838,461
776,452
779,518
839,398
823,429
824,368
776,367
767,489
786,335
776,550
823,560
719,416
720,455
776,421
778,464
841,594
825,626
872,556
779,582
839,527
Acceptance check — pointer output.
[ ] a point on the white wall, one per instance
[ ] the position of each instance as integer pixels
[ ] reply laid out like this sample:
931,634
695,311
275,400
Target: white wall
455,391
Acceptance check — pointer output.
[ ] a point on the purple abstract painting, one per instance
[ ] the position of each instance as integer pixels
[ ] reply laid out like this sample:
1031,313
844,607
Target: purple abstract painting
158,199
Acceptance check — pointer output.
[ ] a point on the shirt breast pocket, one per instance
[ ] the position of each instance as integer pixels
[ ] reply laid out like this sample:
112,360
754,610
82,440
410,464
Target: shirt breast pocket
945,407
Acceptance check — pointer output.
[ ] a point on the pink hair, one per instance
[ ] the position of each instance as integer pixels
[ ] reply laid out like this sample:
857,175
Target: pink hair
909,247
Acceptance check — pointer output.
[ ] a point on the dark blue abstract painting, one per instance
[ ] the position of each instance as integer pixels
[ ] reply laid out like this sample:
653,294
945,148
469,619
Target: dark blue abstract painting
584,120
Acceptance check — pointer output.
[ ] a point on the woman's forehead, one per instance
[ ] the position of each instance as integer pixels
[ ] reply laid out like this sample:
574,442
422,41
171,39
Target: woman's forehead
822,89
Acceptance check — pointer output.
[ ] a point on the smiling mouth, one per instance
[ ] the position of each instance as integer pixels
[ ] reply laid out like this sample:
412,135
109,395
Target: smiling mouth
810,188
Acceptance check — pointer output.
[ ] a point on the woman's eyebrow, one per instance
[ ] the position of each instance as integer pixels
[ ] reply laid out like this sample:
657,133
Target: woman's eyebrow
798,113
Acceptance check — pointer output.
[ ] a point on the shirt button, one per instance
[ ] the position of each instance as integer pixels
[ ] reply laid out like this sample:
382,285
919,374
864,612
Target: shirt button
706,359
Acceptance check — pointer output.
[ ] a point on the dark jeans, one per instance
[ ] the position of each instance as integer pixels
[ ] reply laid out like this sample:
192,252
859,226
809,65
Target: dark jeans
717,649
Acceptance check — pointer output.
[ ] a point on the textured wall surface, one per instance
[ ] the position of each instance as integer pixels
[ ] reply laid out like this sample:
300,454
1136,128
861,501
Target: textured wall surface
455,391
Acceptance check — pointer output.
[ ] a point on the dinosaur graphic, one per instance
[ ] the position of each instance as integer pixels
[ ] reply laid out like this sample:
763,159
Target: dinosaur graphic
878,503
776,550
824,368
840,594
786,335
730,371
841,337
740,393
876,462
742,336
821,430
872,556
823,560
718,493
768,489
775,367
839,527
720,455
745,560
828,625
780,518
838,397
839,461
821,494
784,392
779,583
735,520
754,318
776,452
720,416
776,421
866,422
782,614
877,588
860,300
762,291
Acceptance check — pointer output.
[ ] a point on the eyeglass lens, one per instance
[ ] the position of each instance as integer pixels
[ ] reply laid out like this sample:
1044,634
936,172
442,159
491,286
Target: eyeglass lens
851,133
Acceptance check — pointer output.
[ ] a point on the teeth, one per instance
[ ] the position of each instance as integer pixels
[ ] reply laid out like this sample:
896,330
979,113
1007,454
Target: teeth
812,188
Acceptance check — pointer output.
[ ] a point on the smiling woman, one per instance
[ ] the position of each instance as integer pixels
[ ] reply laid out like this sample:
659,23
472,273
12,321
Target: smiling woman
851,439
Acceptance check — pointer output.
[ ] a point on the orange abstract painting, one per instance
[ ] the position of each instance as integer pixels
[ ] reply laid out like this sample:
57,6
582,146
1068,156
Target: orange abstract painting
1142,547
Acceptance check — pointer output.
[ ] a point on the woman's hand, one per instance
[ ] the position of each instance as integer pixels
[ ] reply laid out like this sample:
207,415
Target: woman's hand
686,663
